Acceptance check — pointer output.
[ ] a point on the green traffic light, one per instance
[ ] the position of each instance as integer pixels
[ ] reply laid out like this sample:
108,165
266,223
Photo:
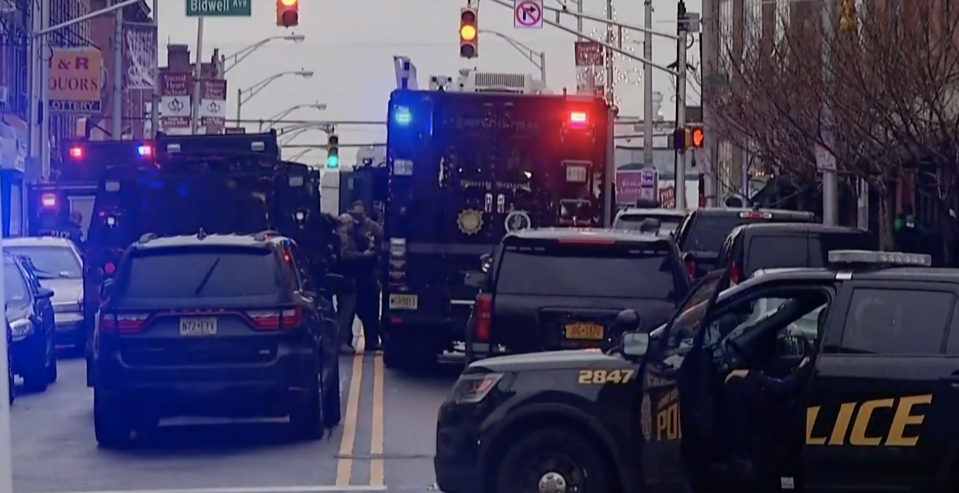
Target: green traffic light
333,162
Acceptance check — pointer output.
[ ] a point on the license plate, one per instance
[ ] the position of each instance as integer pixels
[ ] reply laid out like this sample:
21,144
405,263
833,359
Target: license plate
585,331
200,326
404,302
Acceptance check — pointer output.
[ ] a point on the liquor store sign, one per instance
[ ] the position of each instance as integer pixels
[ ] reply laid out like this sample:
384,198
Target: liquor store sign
76,81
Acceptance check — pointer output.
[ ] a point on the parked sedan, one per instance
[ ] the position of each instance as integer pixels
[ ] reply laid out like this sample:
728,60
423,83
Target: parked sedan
59,267
32,326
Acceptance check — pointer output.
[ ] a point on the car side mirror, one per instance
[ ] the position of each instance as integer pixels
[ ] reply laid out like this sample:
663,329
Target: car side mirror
486,262
105,288
635,343
45,293
626,321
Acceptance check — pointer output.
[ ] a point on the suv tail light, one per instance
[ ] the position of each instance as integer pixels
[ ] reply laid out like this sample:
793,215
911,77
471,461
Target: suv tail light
691,268
287,318
483,313
123,323
734,273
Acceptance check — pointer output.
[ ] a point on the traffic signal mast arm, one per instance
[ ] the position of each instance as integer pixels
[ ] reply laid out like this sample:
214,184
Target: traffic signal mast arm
604,44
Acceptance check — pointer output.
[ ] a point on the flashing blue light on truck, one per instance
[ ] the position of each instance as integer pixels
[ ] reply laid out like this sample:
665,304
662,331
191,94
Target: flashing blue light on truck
403,116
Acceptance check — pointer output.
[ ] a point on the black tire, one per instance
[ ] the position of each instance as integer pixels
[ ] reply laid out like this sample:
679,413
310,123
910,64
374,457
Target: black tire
306,416
575,459
52,372
10,379
35,371
111,423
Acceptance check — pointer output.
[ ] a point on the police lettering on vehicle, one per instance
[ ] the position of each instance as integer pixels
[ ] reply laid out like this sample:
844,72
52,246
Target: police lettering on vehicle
668,426
59,233
889,422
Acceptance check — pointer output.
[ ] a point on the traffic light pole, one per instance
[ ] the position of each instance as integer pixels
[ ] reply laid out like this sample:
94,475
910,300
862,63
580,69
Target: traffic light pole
681,106
197,75
827,162
157,95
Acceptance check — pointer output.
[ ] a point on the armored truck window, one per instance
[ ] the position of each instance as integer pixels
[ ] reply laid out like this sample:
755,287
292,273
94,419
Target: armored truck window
896,322
771,252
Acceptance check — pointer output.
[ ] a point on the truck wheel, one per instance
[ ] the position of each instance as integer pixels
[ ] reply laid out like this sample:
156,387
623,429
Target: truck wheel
52,373
306,416
552,460
112,425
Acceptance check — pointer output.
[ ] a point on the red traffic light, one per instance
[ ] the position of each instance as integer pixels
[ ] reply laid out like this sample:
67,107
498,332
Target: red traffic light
287,13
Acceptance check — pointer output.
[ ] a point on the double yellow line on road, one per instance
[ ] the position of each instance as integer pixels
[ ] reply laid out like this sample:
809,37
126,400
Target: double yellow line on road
344,465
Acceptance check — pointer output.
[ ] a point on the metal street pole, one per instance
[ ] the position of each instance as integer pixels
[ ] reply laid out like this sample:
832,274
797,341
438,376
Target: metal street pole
239,105
710,49
681,106
610,69
830,186
197,78
44,86
648,88
118,75
157,95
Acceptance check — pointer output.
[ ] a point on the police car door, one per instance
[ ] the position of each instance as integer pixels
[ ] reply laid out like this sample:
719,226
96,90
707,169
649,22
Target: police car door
883,404
661,424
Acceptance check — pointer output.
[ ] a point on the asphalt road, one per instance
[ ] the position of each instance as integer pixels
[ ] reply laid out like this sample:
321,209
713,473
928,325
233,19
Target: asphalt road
385,442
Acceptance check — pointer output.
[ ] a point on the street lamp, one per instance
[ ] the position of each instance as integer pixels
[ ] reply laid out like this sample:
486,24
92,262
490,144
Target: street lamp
244,95
279,116
528,52
245,52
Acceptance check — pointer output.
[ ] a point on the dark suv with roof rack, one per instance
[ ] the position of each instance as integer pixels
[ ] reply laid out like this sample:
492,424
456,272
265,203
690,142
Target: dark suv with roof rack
218,325
701,235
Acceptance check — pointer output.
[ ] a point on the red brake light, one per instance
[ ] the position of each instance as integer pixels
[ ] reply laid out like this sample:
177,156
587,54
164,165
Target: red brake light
49,200
76,152
734,273
483,314
691,268
123,323
287,318
110,268
577,117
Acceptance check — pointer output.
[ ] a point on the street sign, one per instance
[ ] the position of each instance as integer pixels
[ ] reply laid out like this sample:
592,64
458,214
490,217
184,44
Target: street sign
528,14
825,161
219,8
648,178
75,80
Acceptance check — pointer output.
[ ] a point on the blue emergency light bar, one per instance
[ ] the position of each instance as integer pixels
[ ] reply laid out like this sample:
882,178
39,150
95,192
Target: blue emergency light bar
206,146
866,257
87,161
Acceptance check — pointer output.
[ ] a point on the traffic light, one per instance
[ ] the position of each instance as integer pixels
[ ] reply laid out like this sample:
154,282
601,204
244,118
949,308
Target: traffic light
695,137
469,33
333,152
847,22
287,13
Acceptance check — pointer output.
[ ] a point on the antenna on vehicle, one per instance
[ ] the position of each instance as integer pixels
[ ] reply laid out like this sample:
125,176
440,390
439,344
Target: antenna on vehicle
201,234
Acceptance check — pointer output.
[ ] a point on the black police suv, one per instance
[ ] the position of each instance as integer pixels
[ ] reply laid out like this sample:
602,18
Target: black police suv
701,234
753,247
825,379
32,324
558,288
218,325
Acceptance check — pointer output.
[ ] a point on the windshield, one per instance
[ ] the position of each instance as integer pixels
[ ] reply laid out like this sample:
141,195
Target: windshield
188,274
15,287
51,262
590,272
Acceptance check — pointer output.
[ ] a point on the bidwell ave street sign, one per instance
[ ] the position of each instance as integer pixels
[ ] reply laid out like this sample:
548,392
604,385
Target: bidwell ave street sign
219,8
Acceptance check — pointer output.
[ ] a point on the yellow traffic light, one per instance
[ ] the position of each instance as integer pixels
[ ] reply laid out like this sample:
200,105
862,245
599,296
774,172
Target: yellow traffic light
287,13
469,33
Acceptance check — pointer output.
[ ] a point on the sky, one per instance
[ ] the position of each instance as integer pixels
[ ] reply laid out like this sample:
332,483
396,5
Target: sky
350,45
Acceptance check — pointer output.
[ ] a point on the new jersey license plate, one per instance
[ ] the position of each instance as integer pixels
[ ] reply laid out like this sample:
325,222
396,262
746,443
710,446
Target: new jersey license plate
197,326
404,302
585,331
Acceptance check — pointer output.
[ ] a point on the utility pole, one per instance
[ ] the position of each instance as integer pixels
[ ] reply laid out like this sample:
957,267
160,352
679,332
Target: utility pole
44,86
683,32
825,160
610,69
197,75
710,54
648,87
157,95
117,130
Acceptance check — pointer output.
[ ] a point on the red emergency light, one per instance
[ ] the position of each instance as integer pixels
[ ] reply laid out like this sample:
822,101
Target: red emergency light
49,200
578,118
145,151
76,152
